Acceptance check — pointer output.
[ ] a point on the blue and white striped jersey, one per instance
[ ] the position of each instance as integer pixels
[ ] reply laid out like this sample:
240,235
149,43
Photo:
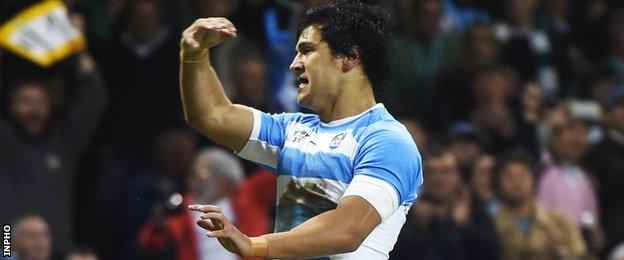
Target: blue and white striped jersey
318,163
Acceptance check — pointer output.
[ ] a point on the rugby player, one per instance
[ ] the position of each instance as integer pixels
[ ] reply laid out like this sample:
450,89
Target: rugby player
347,174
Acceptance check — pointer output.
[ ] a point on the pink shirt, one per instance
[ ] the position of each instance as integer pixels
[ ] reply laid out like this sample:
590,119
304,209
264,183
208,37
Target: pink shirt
569,190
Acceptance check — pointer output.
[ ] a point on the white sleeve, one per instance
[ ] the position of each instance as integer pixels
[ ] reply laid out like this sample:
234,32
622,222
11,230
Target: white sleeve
379,193
257,149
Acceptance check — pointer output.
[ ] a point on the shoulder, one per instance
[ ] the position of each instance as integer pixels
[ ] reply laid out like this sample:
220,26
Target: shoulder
387,130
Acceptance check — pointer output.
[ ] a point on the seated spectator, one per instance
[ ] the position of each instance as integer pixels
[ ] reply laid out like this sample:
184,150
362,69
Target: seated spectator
254,203
604,161
32,239
465,144
564,185
172,233
41,144
81,254
443,224
527,230
480,182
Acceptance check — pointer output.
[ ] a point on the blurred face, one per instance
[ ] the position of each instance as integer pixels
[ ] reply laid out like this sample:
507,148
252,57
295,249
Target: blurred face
30,109
174,153
81,256
572,142
33,240
516,184
482,172
521,11
466,151
426,18
318,72
442,177
251,83
490,88
216,8
482,47
615,118
200,176
145,20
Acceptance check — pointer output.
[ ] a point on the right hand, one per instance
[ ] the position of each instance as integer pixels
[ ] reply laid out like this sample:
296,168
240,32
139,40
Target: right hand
206,33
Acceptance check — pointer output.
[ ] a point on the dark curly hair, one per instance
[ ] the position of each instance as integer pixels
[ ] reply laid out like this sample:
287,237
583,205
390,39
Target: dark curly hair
346,24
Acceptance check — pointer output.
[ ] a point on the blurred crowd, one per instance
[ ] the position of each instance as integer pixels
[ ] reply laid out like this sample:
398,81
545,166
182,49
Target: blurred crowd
517,107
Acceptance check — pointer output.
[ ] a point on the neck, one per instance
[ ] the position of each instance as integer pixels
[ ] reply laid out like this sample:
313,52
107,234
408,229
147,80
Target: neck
355,97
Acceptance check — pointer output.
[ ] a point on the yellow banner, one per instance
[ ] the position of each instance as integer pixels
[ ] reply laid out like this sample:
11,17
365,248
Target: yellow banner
42,34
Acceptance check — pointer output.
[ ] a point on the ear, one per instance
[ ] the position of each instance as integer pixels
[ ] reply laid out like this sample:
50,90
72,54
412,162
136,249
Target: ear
352,60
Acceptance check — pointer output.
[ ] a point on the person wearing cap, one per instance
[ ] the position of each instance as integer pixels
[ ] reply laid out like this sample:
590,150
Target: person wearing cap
605,161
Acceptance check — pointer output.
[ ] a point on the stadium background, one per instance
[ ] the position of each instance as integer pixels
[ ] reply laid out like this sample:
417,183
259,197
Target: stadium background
477,78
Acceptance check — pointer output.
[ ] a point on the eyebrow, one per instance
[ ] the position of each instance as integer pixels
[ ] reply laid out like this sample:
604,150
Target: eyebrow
304,44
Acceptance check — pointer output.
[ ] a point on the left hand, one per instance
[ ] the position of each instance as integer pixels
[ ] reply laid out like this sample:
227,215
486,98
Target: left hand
213,220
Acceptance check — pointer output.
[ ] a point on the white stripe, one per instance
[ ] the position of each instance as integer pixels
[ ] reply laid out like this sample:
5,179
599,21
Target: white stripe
320,141
379,193
256,150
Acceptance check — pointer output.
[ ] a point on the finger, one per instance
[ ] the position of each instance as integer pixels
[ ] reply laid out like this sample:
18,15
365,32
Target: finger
214,215
216,233
204,208
206,224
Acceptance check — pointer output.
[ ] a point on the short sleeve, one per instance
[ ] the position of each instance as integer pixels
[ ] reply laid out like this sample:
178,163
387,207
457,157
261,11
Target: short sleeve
267,138
388,161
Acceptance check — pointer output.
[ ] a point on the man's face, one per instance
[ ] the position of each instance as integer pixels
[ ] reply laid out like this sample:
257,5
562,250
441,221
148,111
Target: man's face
572,142
30,109
516,184
318,72
442,177
33,240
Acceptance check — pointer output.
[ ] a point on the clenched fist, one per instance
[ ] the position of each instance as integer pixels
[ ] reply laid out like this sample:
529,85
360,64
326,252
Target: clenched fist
206,33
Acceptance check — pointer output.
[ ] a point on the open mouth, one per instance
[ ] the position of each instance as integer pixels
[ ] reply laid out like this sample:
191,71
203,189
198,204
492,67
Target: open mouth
302,82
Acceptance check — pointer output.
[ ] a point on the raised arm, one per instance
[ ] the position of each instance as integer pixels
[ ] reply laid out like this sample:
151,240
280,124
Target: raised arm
206,107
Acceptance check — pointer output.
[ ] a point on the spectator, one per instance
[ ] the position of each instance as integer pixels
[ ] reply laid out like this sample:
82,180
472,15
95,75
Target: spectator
254,203
443,224
422,53
172,233
172,161
604,162
140,67
572,65
249,78
564,186
480,182
454,99
465,144
41,146
32,239
527,49
528,230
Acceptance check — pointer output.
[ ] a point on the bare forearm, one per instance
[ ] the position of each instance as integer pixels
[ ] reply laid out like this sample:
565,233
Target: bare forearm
206,107
200,88
333,232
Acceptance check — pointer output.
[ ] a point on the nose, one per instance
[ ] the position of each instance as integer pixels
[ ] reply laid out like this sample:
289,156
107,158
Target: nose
297,65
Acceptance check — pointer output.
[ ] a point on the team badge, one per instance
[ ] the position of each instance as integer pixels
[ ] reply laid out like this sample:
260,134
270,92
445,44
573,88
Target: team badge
337,140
